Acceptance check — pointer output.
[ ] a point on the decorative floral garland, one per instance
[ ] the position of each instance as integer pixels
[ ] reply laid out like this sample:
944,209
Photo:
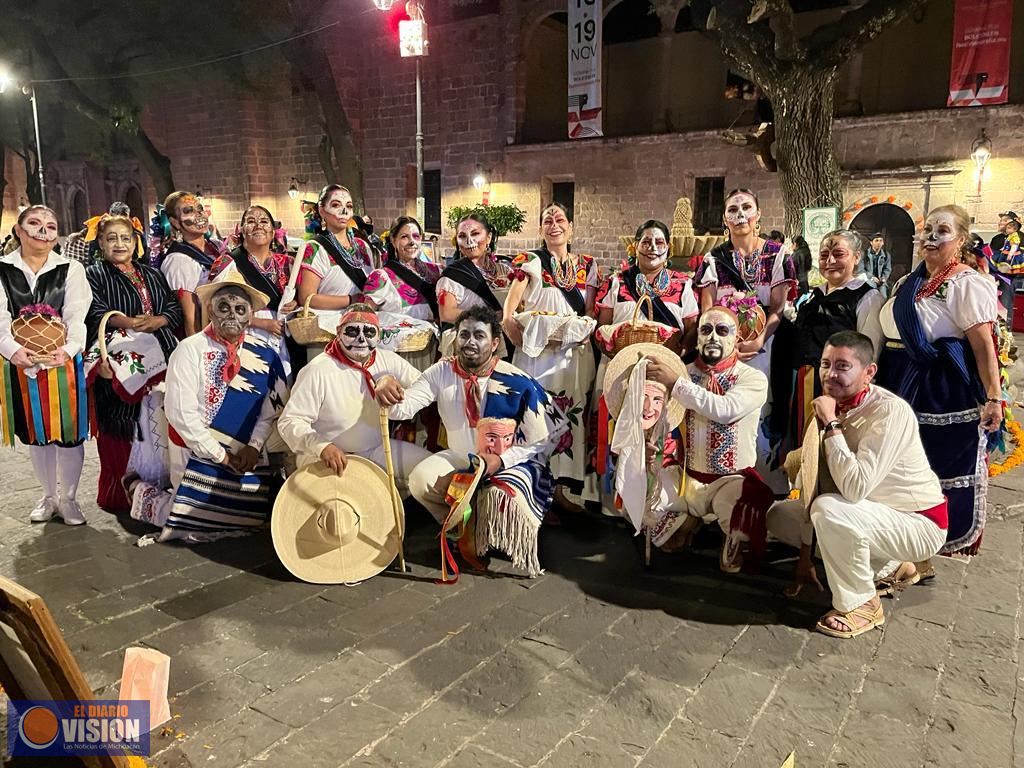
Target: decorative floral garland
1014,459
39,309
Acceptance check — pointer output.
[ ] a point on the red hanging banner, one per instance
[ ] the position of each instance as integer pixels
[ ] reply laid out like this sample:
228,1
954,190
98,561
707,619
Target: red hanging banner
980,69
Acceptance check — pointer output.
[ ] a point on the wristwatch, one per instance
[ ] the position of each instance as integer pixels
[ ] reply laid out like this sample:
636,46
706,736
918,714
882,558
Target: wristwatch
835,424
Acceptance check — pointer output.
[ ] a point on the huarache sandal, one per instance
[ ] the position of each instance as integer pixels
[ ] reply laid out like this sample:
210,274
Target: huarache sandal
905,576
871,617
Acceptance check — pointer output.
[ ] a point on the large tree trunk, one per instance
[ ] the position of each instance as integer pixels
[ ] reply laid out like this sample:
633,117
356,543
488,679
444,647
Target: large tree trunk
314,68
808,171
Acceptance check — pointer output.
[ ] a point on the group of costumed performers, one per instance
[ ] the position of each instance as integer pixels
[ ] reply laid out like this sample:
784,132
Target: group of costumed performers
181,369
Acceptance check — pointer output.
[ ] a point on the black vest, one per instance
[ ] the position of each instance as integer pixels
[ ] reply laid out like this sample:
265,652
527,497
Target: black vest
49,288
823,315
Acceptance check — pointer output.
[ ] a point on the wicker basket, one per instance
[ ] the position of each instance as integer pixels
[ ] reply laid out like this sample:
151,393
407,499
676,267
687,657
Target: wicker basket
101,340
305,328
40,335
416,342
638,331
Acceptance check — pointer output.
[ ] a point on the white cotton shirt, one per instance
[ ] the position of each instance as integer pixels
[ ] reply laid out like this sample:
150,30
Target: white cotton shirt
965,300
440,384
333,280
185,402
183,273
331,404
721,430
622,311
77,299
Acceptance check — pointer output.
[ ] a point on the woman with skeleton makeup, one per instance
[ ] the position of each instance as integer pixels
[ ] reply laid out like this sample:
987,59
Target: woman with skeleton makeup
260,260
939,356
184,226
36,282
139,343
749,264
405,283
333,265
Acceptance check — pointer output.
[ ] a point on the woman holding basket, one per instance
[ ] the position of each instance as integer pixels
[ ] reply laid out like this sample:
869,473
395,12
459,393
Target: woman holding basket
136,311
44,298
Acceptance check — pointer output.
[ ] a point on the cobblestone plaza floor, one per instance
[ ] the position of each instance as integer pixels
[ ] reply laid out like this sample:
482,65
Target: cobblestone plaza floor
598,663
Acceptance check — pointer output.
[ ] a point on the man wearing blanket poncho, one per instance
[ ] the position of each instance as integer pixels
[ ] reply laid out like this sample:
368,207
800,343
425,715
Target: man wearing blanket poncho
492,409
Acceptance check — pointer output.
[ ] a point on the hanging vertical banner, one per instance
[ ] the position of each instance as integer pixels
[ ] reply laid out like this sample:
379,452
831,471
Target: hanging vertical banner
585,69
980,68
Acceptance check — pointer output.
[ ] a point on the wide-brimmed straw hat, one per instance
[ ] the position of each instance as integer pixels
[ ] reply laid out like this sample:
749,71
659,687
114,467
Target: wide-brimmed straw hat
205,293
810,455
616,378
335,530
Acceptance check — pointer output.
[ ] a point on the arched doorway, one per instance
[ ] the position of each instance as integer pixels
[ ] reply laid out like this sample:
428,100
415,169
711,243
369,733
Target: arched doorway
896,226
547,71
79,210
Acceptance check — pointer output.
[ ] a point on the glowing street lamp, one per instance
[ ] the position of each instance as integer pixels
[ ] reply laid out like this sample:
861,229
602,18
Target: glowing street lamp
413,43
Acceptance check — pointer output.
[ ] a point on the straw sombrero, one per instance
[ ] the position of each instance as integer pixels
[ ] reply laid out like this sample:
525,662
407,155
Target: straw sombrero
810,455
616,378
205,293
334,530
461,489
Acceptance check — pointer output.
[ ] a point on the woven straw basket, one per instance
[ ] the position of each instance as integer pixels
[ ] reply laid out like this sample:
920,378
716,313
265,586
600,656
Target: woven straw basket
305,328
40,335
638,331
416,342
101,341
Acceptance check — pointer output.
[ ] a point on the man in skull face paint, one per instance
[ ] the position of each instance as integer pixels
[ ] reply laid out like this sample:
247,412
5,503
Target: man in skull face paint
333,409
723,399
225,389
478,395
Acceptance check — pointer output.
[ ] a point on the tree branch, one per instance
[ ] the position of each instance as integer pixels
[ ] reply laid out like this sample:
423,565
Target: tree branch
779,14
832,44
751,47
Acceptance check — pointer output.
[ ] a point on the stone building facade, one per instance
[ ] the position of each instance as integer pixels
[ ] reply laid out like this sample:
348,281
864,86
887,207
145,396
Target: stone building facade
494,101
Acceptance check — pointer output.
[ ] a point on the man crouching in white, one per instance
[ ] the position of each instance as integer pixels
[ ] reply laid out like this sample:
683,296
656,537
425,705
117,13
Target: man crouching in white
334,407
879,499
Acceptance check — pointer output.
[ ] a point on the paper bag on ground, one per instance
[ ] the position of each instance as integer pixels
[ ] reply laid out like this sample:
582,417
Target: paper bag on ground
144,678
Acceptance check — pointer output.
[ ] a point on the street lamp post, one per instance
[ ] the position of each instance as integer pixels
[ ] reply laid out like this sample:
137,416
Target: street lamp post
30,90
413,42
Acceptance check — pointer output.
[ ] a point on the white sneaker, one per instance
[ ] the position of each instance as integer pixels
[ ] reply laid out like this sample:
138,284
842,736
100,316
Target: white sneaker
44,510
71,512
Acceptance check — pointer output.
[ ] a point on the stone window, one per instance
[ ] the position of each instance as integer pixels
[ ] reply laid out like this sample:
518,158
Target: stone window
564,192
708,202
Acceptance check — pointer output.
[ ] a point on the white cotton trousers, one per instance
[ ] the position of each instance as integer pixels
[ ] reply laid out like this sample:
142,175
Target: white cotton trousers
856,540
404,458
428,482
49,461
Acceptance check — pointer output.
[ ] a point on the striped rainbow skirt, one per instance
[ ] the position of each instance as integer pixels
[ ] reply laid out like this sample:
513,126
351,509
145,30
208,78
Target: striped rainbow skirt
50,407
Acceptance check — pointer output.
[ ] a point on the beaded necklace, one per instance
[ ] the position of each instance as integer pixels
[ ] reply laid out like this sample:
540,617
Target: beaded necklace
272,272
936,281
749,266
565,273
658,288
351,255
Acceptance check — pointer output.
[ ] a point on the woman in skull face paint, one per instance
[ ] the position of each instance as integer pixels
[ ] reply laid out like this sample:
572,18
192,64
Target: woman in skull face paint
143,338
749,264
333,265
939,356
44,404
261,261
187,260
405,284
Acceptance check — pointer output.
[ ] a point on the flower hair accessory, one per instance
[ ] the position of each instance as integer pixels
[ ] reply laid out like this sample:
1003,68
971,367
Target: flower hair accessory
159,231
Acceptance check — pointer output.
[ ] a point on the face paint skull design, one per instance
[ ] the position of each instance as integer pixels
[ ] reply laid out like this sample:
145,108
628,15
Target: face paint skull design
938,229
40,225
654,403
716,335
359,340
192,216
651,249
495,436
474,344
230,313
740,210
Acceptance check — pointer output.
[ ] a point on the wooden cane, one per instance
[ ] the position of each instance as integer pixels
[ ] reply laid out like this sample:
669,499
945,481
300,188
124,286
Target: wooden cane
396,502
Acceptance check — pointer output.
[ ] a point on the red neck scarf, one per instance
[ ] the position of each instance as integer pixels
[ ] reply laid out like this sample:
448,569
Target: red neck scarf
712,371
848,405
335,350
233,364
472,385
